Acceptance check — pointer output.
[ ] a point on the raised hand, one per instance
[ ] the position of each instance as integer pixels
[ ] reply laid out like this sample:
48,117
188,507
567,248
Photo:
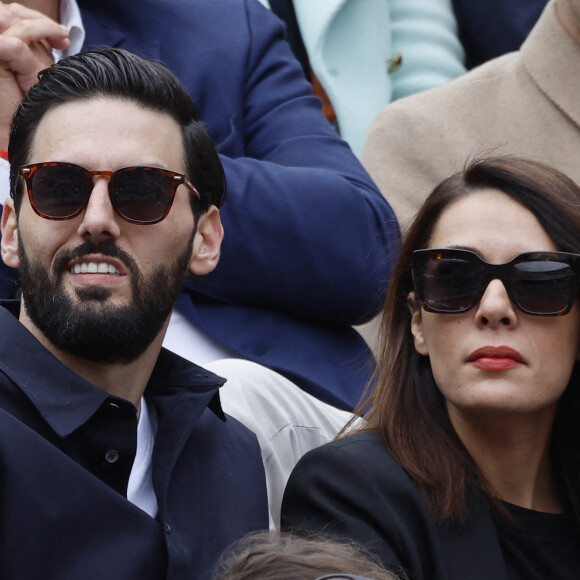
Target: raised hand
27,38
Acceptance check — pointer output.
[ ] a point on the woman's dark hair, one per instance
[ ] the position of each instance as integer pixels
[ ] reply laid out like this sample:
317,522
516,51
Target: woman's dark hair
116,73
283,556
404,405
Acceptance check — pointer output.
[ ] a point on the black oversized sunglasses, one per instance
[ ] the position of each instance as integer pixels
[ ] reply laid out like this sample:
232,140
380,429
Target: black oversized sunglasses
140,195
541,283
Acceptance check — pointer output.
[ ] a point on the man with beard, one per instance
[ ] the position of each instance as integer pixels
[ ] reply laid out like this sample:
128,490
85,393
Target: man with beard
310,240
117,460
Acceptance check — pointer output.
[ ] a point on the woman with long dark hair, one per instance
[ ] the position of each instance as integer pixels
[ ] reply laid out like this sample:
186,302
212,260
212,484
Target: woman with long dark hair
467,465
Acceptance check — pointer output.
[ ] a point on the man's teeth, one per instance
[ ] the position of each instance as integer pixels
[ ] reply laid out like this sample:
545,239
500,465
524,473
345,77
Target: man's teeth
94,268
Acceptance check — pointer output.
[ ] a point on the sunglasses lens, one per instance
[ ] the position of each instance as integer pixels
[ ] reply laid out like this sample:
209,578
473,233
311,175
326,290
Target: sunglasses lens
543,286
451,284
451,281
142,194
59,191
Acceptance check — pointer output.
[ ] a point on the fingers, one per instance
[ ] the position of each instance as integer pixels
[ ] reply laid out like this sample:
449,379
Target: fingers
7,17
31,26
24,61
27,38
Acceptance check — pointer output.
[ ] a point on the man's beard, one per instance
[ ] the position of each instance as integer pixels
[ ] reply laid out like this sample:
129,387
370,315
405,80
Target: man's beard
89,327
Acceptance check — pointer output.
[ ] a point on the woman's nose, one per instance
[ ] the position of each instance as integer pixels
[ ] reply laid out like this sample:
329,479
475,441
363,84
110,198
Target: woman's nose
495,306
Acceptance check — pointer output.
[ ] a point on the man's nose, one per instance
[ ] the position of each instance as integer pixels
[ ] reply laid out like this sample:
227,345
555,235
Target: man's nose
99,218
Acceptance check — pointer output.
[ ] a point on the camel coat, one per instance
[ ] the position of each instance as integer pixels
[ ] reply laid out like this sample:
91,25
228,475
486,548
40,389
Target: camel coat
525,103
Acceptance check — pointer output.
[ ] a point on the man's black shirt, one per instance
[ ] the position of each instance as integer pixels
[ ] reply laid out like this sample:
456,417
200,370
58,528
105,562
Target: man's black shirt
66,451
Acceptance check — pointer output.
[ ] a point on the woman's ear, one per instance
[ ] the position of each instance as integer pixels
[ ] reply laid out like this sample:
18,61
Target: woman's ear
10,235
206,244
417,324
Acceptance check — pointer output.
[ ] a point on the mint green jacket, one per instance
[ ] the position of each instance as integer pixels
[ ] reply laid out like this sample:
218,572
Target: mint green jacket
354,47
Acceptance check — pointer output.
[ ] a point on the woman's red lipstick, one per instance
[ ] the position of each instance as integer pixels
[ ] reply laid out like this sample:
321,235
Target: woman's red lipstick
496,358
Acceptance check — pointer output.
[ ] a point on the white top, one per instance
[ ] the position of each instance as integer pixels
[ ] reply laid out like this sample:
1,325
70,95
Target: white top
140,487
70,16
186,340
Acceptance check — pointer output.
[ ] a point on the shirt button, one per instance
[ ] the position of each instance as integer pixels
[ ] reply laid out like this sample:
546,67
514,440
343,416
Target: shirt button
167,528
112,456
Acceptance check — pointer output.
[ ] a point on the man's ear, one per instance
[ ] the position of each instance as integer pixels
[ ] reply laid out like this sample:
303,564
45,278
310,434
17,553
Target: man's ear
417,324
10,235
207,242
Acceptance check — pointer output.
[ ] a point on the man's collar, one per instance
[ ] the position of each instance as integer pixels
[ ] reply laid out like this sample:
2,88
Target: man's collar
173,375
552,58
67,401
37,372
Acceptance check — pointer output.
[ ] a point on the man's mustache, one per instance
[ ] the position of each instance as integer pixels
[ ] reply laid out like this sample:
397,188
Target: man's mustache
103,247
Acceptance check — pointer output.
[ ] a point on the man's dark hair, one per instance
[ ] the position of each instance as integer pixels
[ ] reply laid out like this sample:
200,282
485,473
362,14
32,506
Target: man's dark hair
116,73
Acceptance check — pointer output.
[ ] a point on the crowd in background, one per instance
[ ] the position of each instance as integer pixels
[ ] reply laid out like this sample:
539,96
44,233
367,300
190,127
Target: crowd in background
394,304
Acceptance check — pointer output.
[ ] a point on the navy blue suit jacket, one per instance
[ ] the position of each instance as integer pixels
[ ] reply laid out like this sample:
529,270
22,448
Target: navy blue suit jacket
490,28
310,241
